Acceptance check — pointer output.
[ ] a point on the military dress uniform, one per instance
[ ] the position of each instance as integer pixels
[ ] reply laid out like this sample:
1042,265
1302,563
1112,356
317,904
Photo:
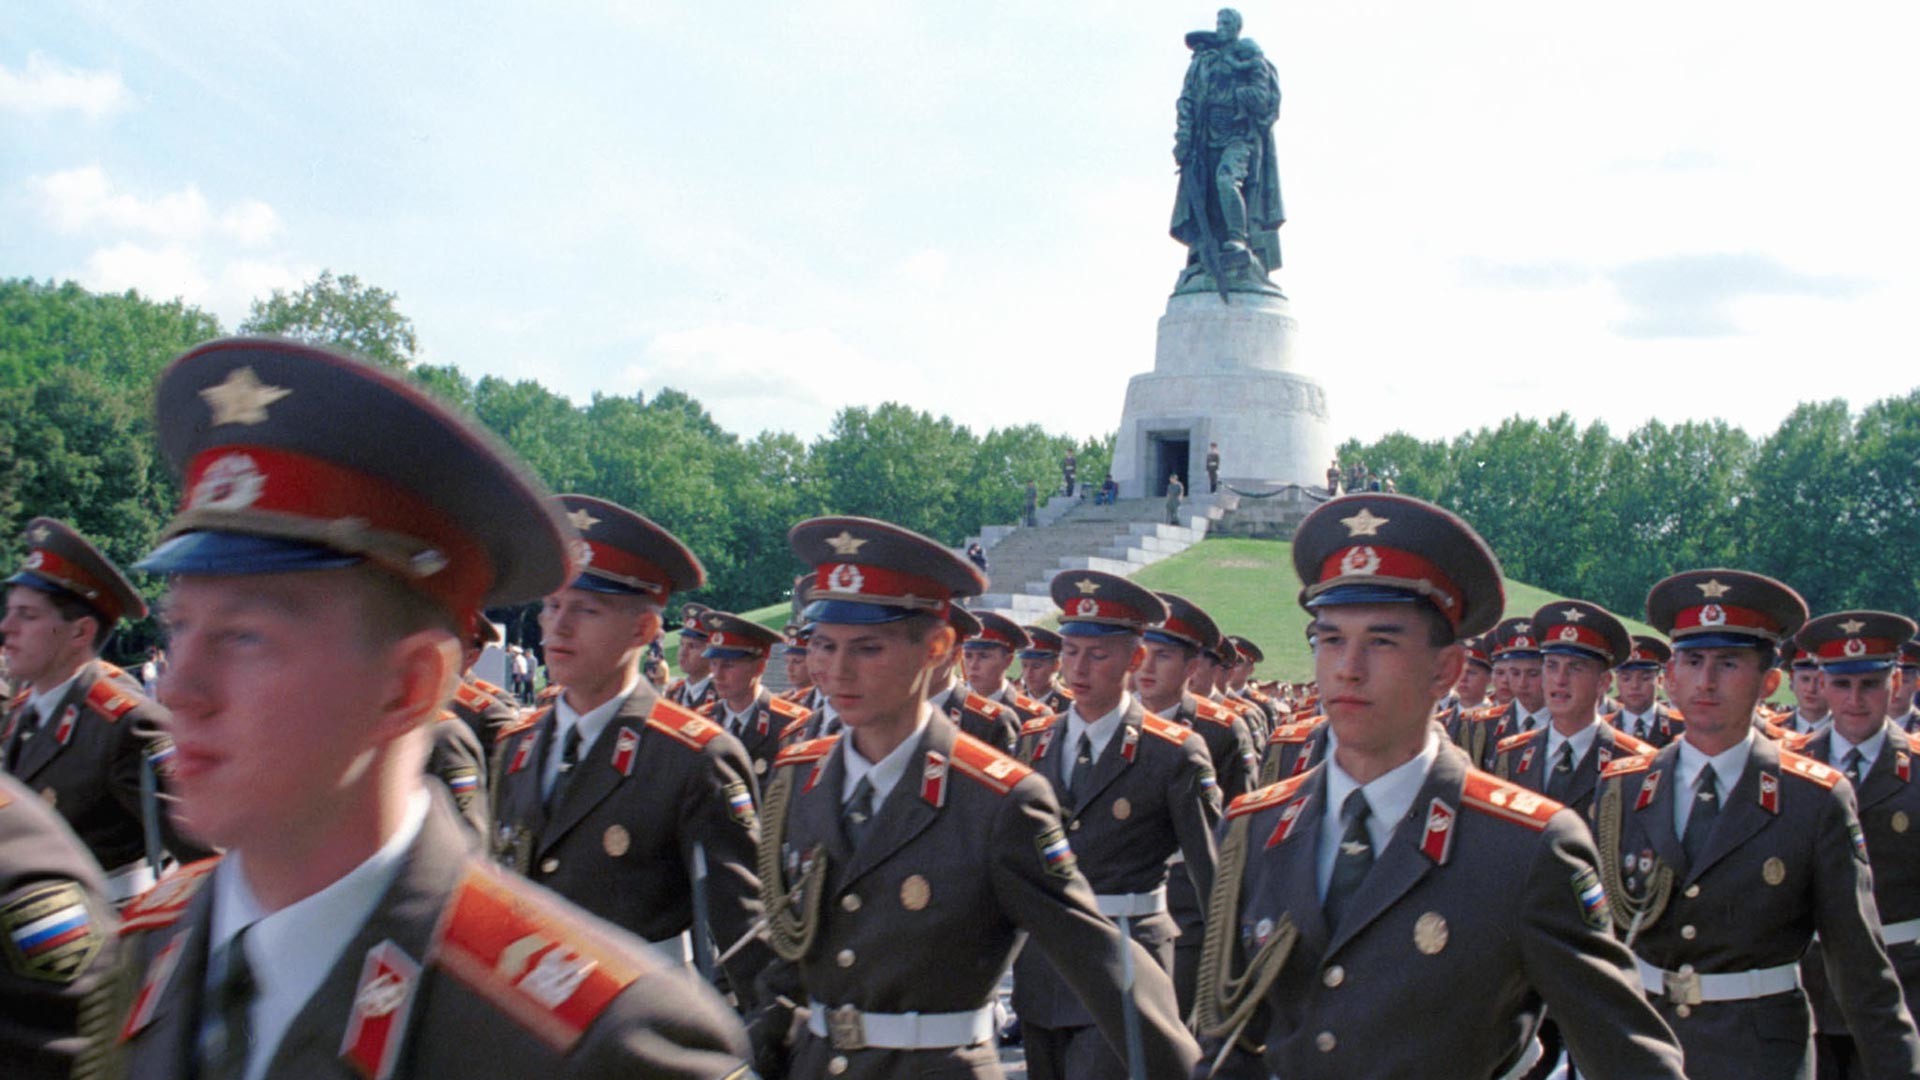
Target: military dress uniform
455,969
1458,917
895,927
57,949
484,713
989,721
1043,645
456,760
1452,712
660,797
996,631
1718,936
1294,747
758,728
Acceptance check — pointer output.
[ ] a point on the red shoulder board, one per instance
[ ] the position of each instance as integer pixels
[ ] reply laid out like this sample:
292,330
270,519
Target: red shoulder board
1263,798
1037,725
780,706
1157,725
113,670
508,731
794,728
1796,740
687,727
1027,704
987,765
110,701
488,687
1628,744
804,752
1808,768
19,699
163,904
1297,732
550,692
1509,802
1623,766
511,943
1211,712
985,707
1913,740
707,708
473,697
1676,714
1512,741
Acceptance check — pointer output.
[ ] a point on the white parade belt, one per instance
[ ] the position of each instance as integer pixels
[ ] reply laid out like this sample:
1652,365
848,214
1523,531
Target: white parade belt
677,951
1689,987
850,1029
1901,933
1132,905
129,881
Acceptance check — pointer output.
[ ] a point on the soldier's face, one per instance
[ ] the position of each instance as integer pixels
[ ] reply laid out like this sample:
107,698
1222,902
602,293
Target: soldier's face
1473,682
1502,682
39,640
1037,674
1379,674
1574,685
279,701
1807,690
1163,674
1526,685
592,637
1898,704
986,667
1717,689
691,657
875,673
1636,687
1859,702
735,680
1202,676
797,672
1095,669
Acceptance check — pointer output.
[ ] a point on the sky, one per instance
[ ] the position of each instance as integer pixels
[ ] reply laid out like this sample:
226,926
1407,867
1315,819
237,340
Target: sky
1622,211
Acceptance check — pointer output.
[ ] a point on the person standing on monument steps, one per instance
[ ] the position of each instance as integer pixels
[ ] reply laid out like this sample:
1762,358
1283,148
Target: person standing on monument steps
1176,491
1069,471
1213,468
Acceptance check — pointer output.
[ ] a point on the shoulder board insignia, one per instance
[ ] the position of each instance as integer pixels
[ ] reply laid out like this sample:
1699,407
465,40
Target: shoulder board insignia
1676,714
19,699
685,726
798,725
1211,713
488,687
472,697
1809,769
1611,719
804,752
707,708
110,701
1623,766
508,731
163,904
976,759
1297,732
550,692
984,706
509,942
1630,744
1508,802
780,706
1174,733
1023,702
113,670
1512,742
1037,725
1796,740
1264,798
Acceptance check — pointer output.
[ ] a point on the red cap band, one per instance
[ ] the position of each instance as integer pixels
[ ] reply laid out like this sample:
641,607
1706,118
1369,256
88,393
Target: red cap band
74,578
879,585
625,567
1392,564
990,636
1853,648
1089,608
1708,617
720,639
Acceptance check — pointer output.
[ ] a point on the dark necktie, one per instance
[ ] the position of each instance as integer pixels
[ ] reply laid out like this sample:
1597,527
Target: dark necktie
1641,727
29,727
1526,722
1851,765
1560,780
858,813
1350,866
1706,808
1082,767
226,1035
569,757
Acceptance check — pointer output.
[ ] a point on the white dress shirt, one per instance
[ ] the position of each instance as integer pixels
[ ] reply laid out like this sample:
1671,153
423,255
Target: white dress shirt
1837,747
591,724
43,703
290,951
883,774
1100,732
1582,741
1727,765
1389,797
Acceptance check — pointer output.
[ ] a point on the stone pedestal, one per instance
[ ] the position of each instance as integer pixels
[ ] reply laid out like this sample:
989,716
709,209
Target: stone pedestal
1223,372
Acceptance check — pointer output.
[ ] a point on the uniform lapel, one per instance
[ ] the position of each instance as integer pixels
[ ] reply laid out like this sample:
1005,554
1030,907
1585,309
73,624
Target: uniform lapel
405,916
594,777
1882,782
1741,814
1586,771
814,815
1402,864
520,791
1294,868
165,1044
44,747
1656,818
1114,759
905,814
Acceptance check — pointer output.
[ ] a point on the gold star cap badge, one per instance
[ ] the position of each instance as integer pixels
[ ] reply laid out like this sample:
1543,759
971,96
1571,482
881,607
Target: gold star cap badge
1852,627
1087,586
1714,589
581,519
1573,614
241,398
1364,523
846,543
38,534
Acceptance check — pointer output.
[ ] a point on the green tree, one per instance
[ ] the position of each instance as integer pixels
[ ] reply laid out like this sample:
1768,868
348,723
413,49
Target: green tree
339,312
122,338
900,465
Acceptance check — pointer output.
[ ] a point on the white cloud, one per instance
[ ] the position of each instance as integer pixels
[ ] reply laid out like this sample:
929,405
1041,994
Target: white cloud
927,267
83,199
755,378
45,86
250,223
162,273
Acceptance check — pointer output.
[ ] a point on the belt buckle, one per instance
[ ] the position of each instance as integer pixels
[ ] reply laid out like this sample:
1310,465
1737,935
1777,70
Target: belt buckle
1683,987
846,1029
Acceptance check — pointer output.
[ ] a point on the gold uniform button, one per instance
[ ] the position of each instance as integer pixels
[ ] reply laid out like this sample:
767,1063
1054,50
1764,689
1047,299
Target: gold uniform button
837,1066
1692,891
548,866
1686,969
1333,976
1325,1042
850,902
845,958
1075,827
1689,932
1683,1011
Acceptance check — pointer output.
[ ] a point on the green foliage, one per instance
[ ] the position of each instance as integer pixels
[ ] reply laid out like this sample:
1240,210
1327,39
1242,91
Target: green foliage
340,312
122,339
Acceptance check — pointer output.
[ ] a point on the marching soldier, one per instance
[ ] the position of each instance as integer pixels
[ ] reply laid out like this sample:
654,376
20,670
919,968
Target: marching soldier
1358,899
1134,788
1579,644
82,734
1239,673
1637,681
1516,656
57,959
321,581
1468,696
1904,708
902,861
635,808
737,649
1039,664
986,656
992,723
1724,854
793,654
1809,716
1858,652
482,706
694,689
457,761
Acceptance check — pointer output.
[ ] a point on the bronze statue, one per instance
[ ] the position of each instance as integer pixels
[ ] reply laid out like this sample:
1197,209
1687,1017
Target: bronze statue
1228,212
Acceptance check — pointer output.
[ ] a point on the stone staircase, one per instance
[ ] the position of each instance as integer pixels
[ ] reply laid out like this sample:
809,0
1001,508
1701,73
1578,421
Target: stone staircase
1077,535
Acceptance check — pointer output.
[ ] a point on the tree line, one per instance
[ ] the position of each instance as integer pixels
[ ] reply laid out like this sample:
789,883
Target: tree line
1828,502
77,370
